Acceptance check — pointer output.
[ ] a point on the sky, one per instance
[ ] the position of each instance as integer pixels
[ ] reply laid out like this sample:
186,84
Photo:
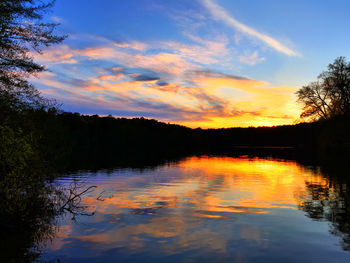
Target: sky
198,63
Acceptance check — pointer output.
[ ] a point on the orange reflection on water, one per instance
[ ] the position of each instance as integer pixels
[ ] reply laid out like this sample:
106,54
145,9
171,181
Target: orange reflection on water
172,203
252,183
214,184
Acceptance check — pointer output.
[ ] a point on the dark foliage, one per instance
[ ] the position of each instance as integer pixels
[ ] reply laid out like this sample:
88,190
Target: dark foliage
70,140
330,95
21,32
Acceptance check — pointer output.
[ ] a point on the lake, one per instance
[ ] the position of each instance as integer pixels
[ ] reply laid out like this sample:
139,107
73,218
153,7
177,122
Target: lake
206,209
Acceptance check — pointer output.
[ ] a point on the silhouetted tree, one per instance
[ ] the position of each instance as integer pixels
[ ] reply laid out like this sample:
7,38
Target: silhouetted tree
337,80
317,101
21,32
330,95
24,194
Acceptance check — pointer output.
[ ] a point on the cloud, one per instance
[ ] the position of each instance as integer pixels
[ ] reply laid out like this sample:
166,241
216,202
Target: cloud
61,55
220,13
213,81
165,57
162,83
251,59
115,77
132,45
204,51
236,112
214,99
169,81
214,74
145,78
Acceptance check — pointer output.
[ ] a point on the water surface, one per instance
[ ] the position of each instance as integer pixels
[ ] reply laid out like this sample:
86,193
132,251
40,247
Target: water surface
207,209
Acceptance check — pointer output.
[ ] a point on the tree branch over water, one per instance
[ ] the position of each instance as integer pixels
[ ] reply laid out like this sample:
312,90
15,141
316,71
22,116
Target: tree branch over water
70,200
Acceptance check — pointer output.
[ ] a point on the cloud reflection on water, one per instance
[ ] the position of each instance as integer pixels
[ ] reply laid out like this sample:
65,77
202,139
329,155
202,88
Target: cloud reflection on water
202,206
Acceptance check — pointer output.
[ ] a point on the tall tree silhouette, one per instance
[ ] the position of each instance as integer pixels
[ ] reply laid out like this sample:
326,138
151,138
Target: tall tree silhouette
22,32
330,95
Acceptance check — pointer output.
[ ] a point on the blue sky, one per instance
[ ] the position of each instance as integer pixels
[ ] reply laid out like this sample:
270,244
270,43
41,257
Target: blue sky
206,63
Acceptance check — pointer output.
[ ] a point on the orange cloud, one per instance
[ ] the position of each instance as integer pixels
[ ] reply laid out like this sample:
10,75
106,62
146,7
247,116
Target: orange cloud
215,100
169,84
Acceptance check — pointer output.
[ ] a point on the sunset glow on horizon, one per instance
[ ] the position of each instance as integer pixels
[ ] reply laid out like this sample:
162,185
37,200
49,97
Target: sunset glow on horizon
202,63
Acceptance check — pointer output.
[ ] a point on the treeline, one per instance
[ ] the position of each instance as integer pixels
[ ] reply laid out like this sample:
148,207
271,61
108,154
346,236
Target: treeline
323,135
64,140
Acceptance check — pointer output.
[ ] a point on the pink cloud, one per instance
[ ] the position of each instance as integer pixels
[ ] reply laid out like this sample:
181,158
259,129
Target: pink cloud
251,59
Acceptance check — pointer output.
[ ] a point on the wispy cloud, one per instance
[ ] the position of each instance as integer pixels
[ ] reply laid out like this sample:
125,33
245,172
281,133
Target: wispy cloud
220,13
251,59
167,57
212,99
167,80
